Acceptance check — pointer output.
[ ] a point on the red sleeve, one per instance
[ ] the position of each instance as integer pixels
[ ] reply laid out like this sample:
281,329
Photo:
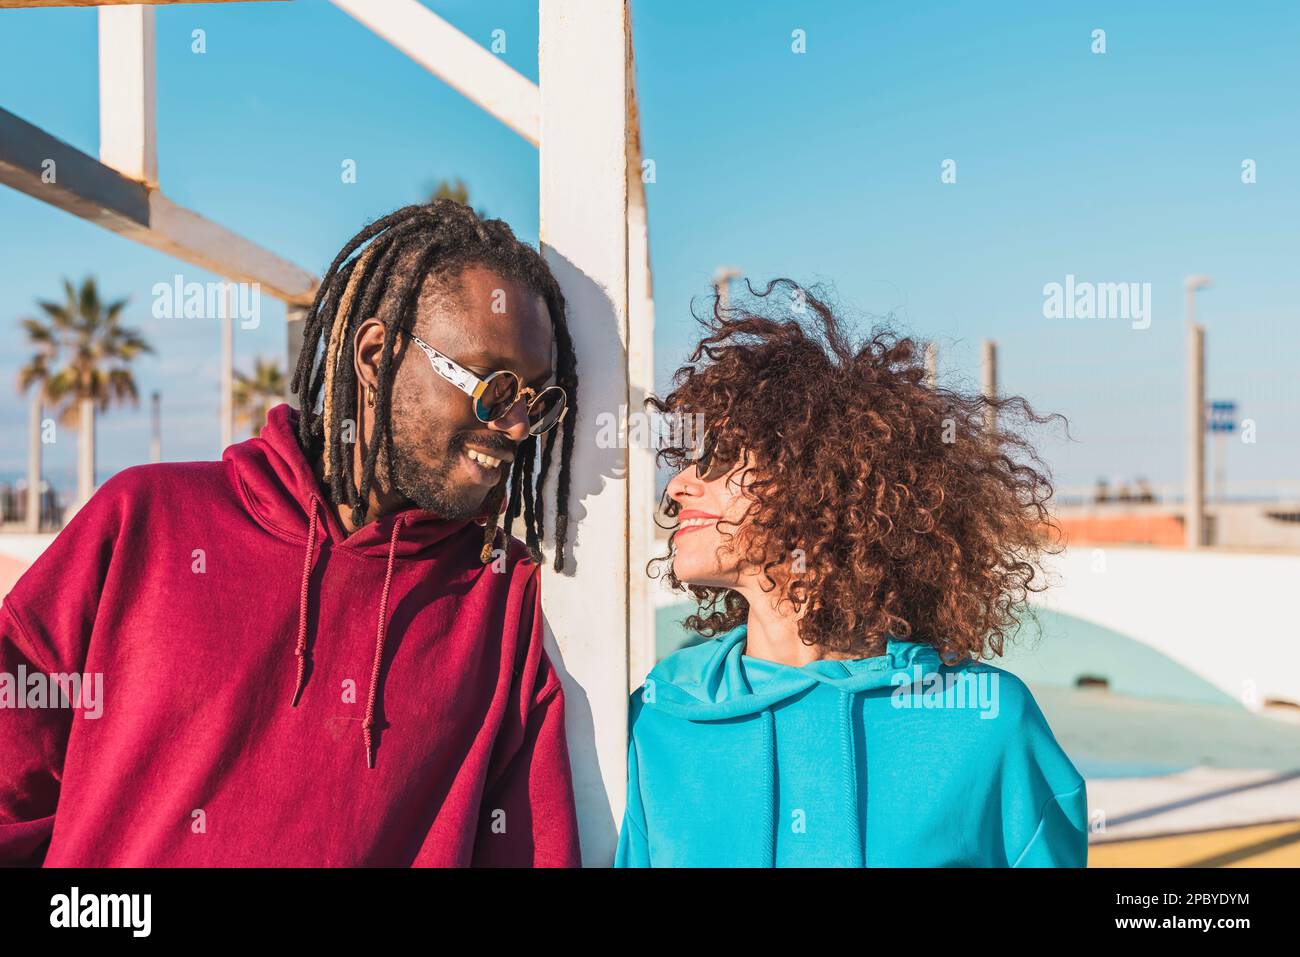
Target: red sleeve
45,627
32,743
527,817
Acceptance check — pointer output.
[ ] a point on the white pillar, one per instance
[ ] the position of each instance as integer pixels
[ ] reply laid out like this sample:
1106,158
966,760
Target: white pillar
128,137
34,464
85,451
295,323
641,544
584,69
228,367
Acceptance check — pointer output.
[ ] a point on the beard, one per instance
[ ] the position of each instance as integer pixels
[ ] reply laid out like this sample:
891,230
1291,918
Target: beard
432,485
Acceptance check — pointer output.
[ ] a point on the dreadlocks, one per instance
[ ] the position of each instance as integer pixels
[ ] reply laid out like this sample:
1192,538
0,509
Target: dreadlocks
436,240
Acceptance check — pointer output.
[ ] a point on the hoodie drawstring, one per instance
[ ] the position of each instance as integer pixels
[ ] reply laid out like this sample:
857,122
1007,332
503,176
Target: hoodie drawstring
769,746
849,779
369,723
300,649
850,766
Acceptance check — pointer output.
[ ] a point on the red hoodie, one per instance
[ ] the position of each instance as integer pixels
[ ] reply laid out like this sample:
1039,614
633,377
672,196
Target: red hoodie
256,661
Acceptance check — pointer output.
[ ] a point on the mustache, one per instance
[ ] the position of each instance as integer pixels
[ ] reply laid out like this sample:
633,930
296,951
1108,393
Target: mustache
488,441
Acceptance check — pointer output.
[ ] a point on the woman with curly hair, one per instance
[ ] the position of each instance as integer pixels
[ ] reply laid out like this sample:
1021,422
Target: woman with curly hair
859,542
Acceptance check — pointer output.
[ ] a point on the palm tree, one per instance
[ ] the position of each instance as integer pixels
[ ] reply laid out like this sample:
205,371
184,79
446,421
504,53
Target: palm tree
255,394
82,364
458,191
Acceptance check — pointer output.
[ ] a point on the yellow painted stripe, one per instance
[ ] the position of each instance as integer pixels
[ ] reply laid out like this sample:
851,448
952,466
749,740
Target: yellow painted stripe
1260,845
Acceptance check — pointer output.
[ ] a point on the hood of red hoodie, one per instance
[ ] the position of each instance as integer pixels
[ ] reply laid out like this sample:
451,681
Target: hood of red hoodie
279,488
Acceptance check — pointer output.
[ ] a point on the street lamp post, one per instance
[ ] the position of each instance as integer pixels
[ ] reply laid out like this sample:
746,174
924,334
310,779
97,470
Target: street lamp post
722,283
989,383
155,426
1194,480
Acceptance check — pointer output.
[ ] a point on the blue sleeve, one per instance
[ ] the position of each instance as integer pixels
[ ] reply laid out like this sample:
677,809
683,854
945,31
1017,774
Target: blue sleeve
633,846
1061,839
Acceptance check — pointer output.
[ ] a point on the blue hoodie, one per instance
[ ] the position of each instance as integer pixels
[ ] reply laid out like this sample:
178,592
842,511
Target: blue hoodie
891,761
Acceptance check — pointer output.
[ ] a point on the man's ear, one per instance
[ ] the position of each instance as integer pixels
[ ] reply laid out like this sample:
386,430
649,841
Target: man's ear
367,347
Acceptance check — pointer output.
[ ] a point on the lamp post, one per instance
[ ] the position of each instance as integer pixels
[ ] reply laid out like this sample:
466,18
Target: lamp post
228,368
1194,480
155,426
989,376
722,283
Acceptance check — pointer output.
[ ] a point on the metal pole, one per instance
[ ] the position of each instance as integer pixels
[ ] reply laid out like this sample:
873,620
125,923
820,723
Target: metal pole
155,437
34,464
294,321
86,453
1195,520
989,364
1194,480
722,284
228,369
1220,466
931,365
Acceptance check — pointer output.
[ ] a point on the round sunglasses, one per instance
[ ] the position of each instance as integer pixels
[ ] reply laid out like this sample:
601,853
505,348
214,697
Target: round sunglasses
705,467
494,396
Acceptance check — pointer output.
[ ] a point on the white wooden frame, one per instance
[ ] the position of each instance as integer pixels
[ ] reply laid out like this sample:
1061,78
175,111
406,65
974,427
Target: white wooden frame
583,118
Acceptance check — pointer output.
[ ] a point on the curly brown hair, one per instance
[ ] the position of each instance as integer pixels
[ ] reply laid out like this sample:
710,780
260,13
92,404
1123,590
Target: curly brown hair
921,512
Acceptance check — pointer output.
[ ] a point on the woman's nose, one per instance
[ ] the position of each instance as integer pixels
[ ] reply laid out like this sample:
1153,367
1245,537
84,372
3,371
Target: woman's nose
685,484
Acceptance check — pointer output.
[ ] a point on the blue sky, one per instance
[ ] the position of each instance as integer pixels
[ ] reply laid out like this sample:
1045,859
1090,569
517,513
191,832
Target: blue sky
822,166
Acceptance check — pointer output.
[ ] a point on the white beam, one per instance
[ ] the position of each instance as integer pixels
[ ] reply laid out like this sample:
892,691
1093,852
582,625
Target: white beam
185,234
454,58
642,544
128,122
584,71
48,169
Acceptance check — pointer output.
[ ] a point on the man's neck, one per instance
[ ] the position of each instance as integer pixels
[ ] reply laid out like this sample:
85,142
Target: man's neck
379,505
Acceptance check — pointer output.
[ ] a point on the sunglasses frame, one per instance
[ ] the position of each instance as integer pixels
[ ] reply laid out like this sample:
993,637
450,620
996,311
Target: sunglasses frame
474,387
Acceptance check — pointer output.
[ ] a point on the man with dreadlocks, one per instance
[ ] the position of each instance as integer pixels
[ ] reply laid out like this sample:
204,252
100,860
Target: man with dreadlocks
324,649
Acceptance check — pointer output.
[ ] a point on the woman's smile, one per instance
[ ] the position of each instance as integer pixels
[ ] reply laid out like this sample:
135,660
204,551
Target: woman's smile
693,519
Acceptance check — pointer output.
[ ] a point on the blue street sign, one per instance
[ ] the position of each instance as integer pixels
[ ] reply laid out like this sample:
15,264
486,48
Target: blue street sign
1221,417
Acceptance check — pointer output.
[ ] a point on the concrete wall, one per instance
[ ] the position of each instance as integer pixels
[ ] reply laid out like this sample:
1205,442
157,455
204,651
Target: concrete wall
1231,618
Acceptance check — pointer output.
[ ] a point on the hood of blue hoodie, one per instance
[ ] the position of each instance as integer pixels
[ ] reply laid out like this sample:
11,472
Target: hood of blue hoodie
711,682
708,757
716,682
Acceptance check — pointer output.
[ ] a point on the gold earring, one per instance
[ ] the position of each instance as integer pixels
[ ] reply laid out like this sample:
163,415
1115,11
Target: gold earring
370,397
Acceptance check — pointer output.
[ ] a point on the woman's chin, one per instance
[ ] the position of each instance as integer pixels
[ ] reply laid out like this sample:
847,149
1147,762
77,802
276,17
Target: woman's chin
689,573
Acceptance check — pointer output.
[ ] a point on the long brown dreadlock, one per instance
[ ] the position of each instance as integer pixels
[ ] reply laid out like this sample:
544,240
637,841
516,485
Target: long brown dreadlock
434,241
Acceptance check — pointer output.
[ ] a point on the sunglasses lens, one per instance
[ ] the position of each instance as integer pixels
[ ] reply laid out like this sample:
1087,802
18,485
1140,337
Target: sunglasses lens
705,453
706,466
498,396
545,410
